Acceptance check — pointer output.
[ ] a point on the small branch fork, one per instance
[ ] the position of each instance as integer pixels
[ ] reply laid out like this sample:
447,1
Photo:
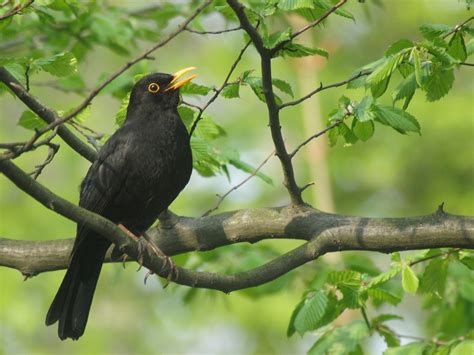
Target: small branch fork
15,10
55,121
212,32
222,198
217,91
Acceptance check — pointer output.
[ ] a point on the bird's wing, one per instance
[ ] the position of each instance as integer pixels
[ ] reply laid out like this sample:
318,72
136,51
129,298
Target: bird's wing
104,180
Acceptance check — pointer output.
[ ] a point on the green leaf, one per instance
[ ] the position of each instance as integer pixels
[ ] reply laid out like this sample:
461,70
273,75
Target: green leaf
288,5
382,295
256,85
341,340
231,91
379,89
438,84
386,317
283,86
398,46
122,112
363,110
409,280
457,47
276,38
204,160
417,64
311,312
298,50
384,277
291,326
432,31
385,70
363,130
390,337
30,120
348,277
464,348
405,90
409,349
396,118
187,115
241,165
347,133
62,64
434,276
194,89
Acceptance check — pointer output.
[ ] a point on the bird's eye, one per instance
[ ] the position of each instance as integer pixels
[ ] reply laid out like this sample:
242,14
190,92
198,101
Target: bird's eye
153,88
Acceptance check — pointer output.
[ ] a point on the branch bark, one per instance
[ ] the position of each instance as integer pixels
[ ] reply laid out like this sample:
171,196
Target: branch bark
322,232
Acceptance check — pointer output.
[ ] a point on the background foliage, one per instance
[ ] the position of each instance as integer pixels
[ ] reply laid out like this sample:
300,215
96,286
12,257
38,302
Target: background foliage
350,303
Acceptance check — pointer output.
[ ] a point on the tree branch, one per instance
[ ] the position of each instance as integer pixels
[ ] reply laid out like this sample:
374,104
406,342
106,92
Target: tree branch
54,121
323,232
273,109
307,27
314,136
322,88
15,10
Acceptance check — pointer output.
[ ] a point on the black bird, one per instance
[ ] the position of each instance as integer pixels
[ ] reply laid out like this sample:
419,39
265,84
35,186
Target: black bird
139,171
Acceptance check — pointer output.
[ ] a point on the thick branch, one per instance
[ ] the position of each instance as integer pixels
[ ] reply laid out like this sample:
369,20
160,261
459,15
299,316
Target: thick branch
273,109
47,115
324,232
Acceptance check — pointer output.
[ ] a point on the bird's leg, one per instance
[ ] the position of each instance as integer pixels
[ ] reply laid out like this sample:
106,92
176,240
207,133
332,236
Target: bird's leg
147,241
173,273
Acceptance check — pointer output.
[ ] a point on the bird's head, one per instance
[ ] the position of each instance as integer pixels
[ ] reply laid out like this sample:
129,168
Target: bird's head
159,90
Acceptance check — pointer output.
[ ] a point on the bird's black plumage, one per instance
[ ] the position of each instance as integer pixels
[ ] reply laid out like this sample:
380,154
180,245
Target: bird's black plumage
139,172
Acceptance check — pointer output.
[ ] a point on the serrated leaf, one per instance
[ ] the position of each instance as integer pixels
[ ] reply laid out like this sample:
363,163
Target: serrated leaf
348,277
384,277
187,115
203,160
30,120
288,5
298,50
231,91
256,85
62,64
241,165
463,348
405,90
276,38
311,312
390,337
438,84
291,325
379,89
431,31
122,112
409,280
457,47
283,86
396,118
409,349
341,340
347,133
417,65
363,110
383,296
363,130
398,46
194,89
385,70
386,317
434,276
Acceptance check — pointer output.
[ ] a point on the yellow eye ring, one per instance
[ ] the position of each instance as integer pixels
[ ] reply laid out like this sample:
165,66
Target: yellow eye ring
153,88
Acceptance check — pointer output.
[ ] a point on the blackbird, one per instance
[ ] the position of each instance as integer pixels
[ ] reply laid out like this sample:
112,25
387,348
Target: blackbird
138,173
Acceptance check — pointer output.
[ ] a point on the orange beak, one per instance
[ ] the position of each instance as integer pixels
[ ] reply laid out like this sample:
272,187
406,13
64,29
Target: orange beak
174,84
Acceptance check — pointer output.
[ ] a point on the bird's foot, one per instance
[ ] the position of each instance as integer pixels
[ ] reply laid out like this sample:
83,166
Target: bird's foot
167,262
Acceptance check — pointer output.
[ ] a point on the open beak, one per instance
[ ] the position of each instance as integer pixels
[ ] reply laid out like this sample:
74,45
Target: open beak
174,84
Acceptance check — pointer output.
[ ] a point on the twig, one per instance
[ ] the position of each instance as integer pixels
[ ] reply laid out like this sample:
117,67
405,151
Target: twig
52,150
467,64
322,88
314,136
219,90
458,27
59,121
272,107
222,198
212,32
307,27
18,8
446,253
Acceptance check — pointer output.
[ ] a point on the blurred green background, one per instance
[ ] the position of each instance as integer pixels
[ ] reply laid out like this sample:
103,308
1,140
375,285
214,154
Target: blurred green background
391,175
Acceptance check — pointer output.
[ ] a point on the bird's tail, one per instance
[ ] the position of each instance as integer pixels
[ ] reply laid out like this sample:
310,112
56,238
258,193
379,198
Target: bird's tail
73,300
